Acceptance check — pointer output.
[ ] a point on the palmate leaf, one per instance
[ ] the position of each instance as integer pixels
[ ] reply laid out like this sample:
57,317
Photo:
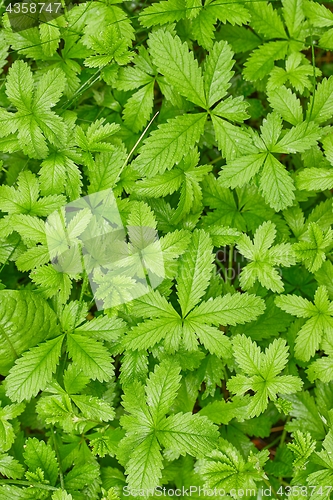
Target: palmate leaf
311,248
26,198
227,469
34,120
260,373
264,257
319,325
147,428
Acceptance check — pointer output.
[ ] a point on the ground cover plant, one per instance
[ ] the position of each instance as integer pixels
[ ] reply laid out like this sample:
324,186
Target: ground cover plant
166,256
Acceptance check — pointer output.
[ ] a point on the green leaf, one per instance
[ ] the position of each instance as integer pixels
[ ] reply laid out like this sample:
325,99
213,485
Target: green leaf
144,467
94,408
25,320
233,141
311,249
320,320
7,434
26,198
318,14
262,372
10,468
286,104
320,107
261,61
60,174
195,271
302,446
264,257
161,389
218,72
187,433
33,371
167,145
163,12
293,13
34,117
239,172
315,179
105,171
91,356
228,470
228,310
177,64
276,184
298,139
139,107
80,476
52,282
38,454
266,20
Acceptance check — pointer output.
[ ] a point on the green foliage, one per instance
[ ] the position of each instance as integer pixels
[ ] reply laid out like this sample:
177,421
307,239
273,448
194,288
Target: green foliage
166,241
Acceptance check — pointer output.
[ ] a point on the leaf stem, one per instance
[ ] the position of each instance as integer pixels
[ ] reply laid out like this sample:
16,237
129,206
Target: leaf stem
56,449
29,484
270,486
284,432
